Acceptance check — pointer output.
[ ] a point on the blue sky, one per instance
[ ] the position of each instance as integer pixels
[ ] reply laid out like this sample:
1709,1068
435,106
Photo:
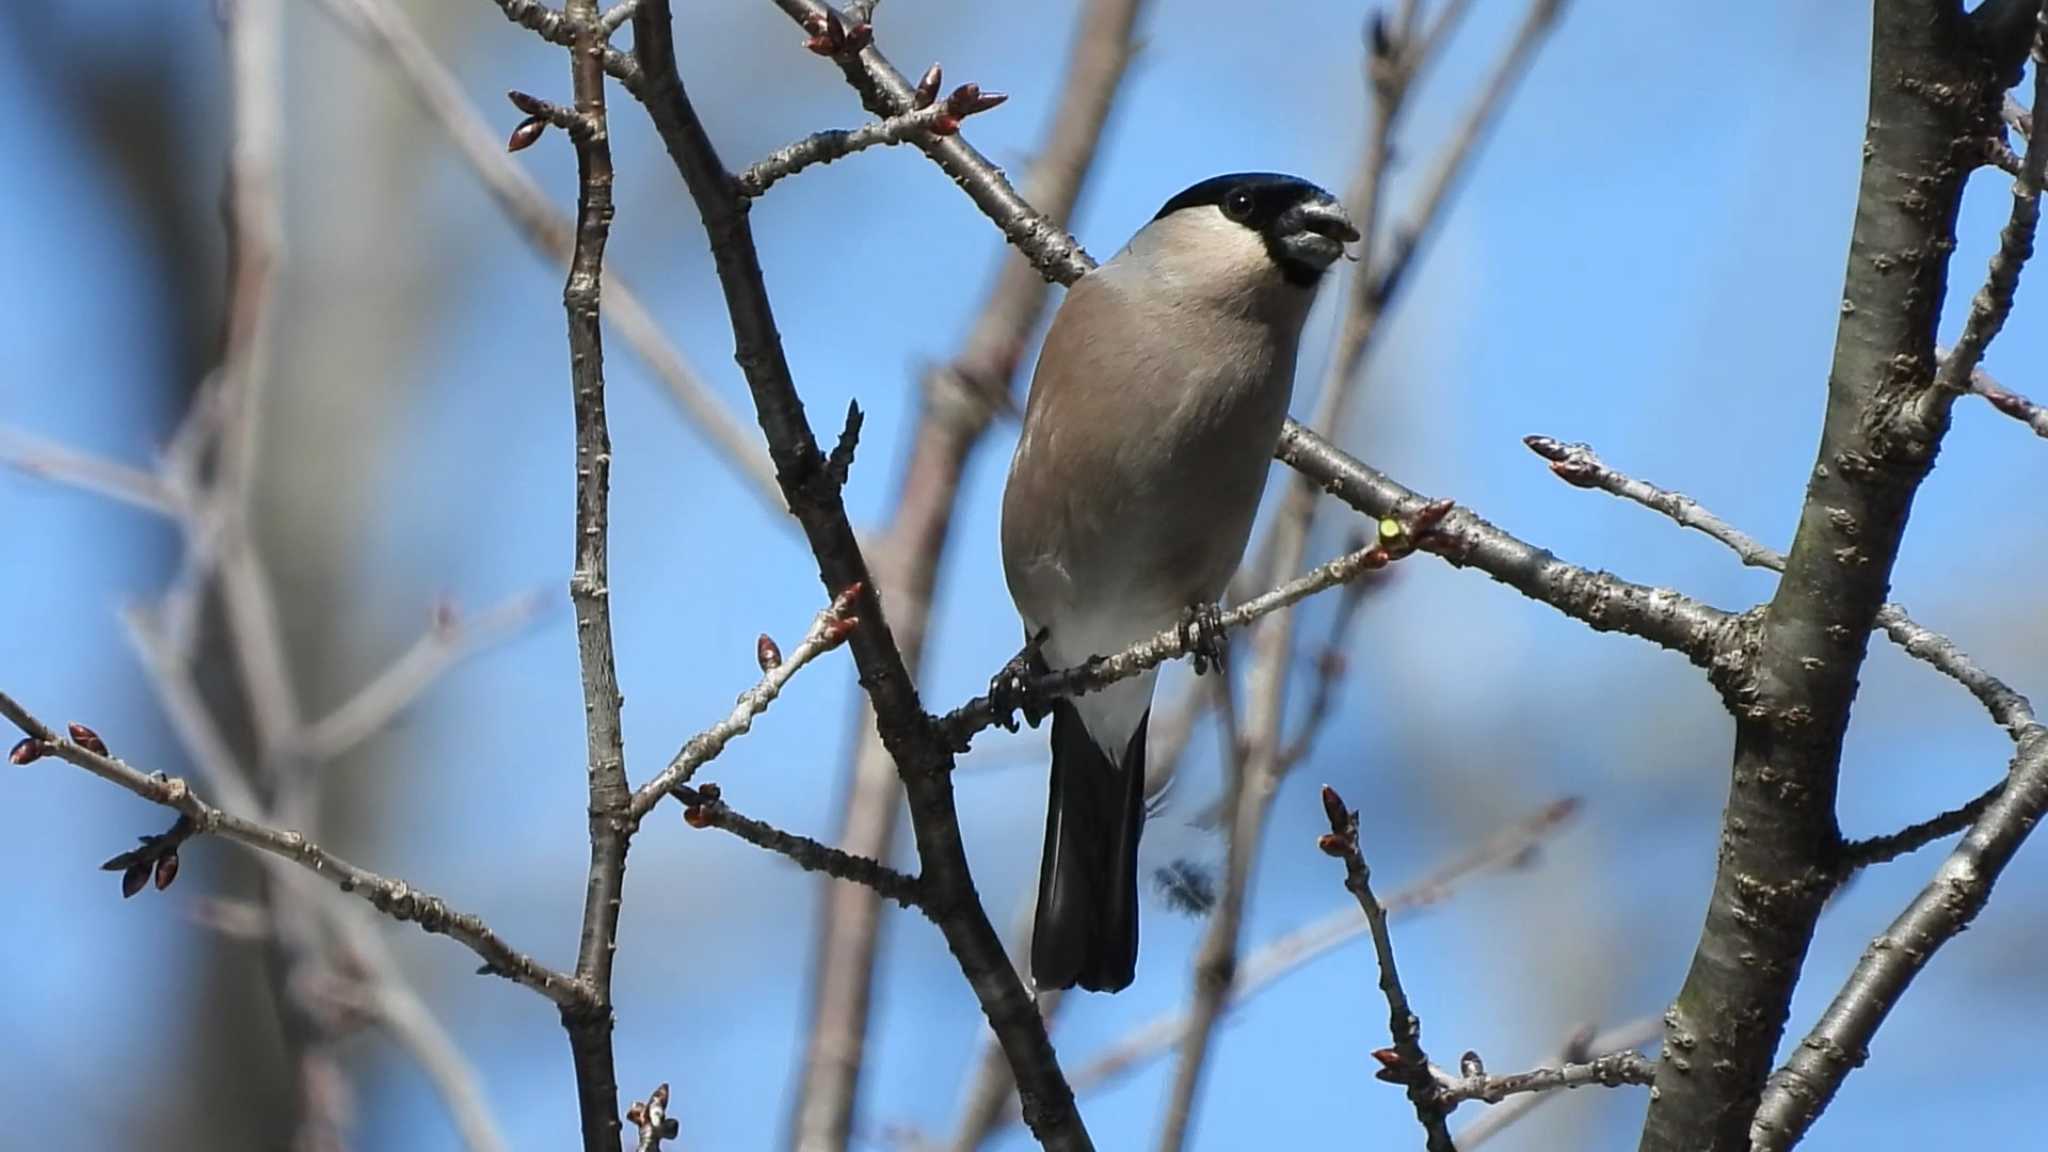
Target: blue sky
1647,257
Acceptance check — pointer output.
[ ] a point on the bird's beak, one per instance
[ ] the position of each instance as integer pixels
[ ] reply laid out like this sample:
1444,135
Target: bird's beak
1328,218
1316,231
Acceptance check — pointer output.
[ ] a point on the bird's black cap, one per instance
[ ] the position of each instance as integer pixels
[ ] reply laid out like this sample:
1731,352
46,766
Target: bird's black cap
1265,194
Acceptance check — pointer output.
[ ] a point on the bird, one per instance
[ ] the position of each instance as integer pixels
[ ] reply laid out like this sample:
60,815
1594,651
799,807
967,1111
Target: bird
1153,412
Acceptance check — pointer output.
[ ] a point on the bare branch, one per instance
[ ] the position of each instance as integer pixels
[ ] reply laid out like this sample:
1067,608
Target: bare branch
407,1020
1406,1063
1509,848
1883,849
590,1031
1578,1050
1627,1066
394,898
884,92
923,760
1993,302
827,632
1792,682
1577,465
959,400
941,118
2033,415
1840,1040
447,642
1397,541
87,473
384,26
1603,602
705,807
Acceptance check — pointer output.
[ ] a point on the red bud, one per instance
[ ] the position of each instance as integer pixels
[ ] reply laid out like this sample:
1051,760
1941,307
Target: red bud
927,87
960,99
166,870
528,131
1333,807
1331,844
134,878
695,816
767,654
531,105
27,750
88,739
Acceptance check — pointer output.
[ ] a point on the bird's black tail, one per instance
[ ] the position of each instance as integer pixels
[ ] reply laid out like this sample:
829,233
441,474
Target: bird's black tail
1086,931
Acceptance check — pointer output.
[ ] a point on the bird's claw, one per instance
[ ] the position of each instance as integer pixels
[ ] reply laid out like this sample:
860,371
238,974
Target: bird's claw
1010,691
1201,633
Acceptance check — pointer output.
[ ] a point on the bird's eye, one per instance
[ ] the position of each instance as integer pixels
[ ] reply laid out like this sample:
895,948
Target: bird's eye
1238,205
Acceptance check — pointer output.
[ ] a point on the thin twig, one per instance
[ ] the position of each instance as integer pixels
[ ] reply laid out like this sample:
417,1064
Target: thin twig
1627,1066
1578,465
1578,1051
610,822
386,27
1399,540
959,400
2033,415
1840,1041
1875,850
394,898
1509,848
705,807
1993,302
1405,1063
941,117
813,490
827,632
1791,684
447,642
87,473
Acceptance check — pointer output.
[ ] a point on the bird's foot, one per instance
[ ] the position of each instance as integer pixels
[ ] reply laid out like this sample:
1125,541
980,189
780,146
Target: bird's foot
1010,691
1201,632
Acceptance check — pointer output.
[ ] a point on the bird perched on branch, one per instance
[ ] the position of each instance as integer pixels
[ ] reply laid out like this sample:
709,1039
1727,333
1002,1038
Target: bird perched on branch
1157,401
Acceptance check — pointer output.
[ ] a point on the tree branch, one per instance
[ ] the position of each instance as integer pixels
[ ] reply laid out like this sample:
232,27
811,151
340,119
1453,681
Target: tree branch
1577,465
1603,602
1627,1066
590,1028
448,640
941,118
1397,540
1406,1063
1840,1040
705,807
828,631
958,402
2034,416
1251,785
1578,1050
1934,90
394,898
384,26
1509,848
923,760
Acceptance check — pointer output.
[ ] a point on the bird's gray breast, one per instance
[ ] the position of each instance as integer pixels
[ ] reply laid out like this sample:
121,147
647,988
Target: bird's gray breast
1146,446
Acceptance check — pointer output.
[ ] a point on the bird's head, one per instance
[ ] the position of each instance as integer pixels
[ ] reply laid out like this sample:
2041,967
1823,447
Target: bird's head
1242,218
